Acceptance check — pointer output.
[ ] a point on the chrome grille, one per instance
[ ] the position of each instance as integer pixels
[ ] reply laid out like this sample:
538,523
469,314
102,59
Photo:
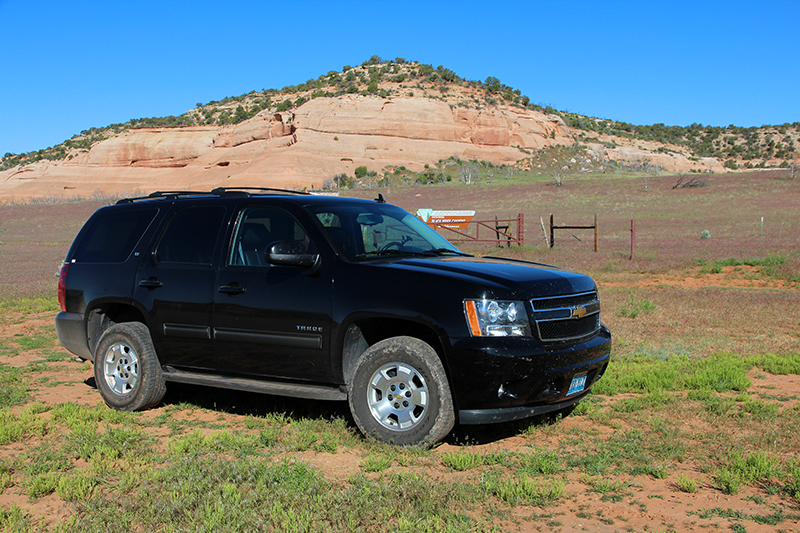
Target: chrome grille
566,318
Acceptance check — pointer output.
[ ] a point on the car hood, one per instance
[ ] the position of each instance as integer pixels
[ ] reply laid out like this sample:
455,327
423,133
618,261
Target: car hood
504,278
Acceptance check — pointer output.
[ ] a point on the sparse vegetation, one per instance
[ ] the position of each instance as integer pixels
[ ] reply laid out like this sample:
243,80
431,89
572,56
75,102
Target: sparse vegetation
689,182
686,484
693,405
635,307
767,146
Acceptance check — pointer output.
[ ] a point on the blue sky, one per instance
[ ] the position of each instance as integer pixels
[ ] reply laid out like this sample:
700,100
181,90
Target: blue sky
71,65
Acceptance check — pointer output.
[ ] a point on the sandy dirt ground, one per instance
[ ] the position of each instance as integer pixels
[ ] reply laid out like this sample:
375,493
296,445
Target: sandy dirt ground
647,504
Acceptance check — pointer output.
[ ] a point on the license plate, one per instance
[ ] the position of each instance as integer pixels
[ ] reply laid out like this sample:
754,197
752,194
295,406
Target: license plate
577,385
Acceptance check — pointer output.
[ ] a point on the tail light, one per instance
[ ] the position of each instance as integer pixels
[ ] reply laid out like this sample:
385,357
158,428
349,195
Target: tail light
62,282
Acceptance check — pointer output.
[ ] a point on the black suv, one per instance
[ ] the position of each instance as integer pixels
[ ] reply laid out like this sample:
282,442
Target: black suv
328,298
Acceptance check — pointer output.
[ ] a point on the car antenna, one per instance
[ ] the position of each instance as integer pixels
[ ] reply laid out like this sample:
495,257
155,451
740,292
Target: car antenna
380,199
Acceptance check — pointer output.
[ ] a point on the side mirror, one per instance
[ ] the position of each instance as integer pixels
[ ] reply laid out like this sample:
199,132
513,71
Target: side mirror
290,253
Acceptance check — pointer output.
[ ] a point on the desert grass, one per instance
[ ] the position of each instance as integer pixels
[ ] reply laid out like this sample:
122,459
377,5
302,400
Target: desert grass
669,222
679,414
658,414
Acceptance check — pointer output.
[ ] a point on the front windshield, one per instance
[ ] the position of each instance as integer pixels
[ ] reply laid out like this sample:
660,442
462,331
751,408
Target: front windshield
363,231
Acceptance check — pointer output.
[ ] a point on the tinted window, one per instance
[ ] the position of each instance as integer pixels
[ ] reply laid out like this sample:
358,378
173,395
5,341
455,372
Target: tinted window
111,235
191,235
260,226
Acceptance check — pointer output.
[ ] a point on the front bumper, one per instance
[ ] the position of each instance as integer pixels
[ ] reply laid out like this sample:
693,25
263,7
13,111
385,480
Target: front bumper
494,416
502,379
71,331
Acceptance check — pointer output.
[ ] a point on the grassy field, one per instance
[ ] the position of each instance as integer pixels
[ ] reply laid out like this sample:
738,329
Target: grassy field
34,239
669,221
694,427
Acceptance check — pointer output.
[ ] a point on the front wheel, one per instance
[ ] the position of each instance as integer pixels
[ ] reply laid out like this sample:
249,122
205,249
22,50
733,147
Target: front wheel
126,368
400,393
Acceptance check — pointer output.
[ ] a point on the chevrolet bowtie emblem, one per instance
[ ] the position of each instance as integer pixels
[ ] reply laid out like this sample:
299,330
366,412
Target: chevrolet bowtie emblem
578,311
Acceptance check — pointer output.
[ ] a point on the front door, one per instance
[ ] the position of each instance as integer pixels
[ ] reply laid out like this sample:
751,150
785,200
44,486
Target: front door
271,321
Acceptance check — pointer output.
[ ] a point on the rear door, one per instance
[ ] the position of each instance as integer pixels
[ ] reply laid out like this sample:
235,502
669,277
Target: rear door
175,284
271,321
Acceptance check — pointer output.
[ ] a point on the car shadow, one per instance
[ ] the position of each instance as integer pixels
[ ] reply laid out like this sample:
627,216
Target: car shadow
243,403
476,435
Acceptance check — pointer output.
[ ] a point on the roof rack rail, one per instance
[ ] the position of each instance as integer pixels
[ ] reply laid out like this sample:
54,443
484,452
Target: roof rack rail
163,194
218,191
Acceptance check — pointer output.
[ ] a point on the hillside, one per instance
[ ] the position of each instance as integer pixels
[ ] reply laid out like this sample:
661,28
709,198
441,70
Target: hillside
388,121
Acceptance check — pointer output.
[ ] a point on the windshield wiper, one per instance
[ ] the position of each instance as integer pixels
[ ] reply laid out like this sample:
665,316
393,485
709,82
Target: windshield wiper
427,253
391,251
443,251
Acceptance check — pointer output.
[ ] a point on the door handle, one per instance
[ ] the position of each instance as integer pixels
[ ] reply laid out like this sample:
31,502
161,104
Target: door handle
232,290
151,283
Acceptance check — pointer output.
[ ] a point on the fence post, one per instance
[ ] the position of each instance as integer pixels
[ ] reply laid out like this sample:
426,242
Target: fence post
633,240
504,229
520,229
552,232
595,232
544,231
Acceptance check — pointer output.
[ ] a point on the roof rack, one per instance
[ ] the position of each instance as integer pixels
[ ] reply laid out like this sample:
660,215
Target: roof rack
219,191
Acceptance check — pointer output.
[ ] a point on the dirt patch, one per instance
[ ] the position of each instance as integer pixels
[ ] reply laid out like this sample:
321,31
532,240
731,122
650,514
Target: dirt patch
739,277
20,324
780,389
336,467
637,503
50,508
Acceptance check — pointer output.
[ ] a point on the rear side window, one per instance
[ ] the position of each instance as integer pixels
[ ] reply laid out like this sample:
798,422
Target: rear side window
112,235
191,236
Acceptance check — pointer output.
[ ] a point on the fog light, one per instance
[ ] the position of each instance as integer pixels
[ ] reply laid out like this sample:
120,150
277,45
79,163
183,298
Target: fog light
503,393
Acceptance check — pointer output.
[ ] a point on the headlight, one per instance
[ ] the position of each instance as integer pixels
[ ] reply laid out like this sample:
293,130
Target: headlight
497,318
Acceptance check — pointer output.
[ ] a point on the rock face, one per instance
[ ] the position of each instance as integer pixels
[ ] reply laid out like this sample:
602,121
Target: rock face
320,139
428,120
151,148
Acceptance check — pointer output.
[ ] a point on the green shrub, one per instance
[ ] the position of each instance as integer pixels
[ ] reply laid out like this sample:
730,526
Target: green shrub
542,462
75,488
13,386
27,423
778,364
685,483
635,306
792,486
639,373
462,460
41,484
376,462
525,490
728,481
742,470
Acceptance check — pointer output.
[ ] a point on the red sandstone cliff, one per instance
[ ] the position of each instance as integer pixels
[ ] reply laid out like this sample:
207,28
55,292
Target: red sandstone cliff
323,137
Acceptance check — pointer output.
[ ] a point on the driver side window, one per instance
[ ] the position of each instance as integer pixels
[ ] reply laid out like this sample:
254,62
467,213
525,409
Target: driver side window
257,229
341,233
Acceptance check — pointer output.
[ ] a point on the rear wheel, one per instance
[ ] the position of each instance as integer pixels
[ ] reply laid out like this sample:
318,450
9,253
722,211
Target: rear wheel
126,368
400,393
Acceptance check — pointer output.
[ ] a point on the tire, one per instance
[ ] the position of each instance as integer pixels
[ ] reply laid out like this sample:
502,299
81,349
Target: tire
400,393
126,368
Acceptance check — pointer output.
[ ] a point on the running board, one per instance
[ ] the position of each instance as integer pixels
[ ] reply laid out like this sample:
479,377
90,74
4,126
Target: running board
296,390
